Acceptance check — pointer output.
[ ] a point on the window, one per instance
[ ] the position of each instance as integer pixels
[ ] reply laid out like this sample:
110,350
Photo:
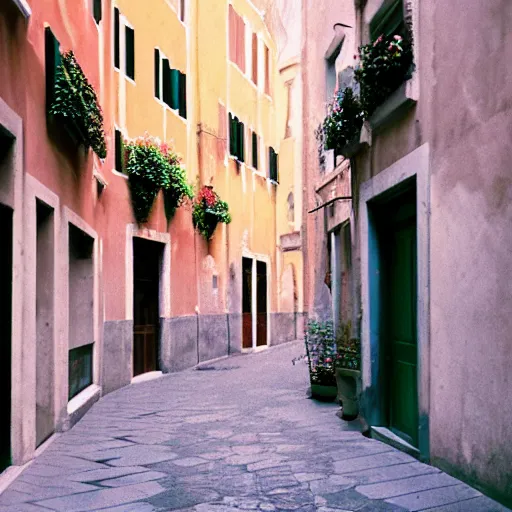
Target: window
118,142
182,11
236,138
170,84
80,369
96,10
130,52
117,42
236,39
273,166
254,150
389,20
267,70
52,61
255,58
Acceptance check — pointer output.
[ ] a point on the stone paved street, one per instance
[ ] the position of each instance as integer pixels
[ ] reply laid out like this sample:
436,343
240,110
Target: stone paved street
239,435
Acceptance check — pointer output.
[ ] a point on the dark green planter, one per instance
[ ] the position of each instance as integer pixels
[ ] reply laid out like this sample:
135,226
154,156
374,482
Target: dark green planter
348,385
324,393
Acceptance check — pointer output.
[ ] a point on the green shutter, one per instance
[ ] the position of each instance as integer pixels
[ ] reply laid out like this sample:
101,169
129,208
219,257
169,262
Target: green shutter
157,74
166,82
116,38
254,150
183,96
175,89
241,142
97,11
388,21
231,135
119,151
52,62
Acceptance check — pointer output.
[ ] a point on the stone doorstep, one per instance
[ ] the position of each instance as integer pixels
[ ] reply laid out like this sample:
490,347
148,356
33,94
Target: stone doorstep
386,436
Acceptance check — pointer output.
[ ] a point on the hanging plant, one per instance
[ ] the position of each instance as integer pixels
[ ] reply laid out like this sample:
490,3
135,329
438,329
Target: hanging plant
384,65
76,104
208,211
152,166
344,120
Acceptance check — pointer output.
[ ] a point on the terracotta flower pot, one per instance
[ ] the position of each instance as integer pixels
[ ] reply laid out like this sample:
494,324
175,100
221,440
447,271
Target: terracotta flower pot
348,385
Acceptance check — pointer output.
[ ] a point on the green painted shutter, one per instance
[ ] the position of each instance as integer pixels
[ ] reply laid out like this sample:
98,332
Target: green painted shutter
388,21
52,62
97,11
241,142
157,74
231,135
175,88
116,38
254,150
183,96
119,151
166,82
130,52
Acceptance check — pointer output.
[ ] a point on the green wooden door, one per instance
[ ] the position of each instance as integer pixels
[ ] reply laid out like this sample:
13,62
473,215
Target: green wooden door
402,325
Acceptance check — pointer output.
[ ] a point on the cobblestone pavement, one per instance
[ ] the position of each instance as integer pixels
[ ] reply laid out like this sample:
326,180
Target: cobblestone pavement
239,435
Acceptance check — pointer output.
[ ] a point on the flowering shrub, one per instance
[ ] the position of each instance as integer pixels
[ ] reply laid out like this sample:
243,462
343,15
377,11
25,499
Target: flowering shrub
152,166
76,103
208,211
321,352
348,349
344,120
384,65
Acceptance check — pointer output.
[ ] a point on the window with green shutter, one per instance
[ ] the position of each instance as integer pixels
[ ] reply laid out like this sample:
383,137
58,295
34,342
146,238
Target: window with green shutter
254,150
52,62
175,89
241,142
389,20
157,73
236,138
166,83
273,167
118,141
96,10
183,95
117,38
130,52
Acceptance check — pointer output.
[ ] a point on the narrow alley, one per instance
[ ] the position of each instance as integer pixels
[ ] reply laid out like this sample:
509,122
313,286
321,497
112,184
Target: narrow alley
237,435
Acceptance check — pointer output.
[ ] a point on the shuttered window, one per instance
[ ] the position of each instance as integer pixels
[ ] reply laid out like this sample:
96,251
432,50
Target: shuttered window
255,58
118,141
183,95
96,10
388,21
236,138
166,83
273,166
157,74
52,61
130,52
117,35
236,39
254,150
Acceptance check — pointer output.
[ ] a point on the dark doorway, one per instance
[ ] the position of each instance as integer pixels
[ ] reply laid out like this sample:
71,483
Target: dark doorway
147,262
5,334
398,242
44,322
261,301
247,302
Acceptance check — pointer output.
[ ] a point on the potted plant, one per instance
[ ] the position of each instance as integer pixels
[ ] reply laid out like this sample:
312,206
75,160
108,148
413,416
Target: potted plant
209,210
348,371
76,106
384,65
321,352
343,122
152,166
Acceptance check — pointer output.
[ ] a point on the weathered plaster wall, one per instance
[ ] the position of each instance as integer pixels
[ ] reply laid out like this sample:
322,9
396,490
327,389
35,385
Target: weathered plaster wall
471,258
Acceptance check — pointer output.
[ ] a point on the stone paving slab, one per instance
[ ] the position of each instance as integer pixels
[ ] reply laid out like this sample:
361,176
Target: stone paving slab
242,439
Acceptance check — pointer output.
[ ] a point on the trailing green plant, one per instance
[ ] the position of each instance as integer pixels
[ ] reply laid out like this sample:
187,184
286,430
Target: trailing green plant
344,120
76,103
209,210
152,166
321,352
384,65
348,349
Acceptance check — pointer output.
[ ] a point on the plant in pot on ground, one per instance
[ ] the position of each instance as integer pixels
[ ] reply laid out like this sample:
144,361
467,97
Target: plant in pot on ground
348,370
343,122
152,166
321,352
209,210
384,65
75,104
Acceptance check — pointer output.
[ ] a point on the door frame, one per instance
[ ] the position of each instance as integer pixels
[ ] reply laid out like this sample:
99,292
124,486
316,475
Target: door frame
414,165
255,257
133,230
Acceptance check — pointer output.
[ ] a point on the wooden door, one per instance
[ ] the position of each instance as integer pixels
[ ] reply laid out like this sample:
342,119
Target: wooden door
5,334
261,302
402,324
146,318
247,302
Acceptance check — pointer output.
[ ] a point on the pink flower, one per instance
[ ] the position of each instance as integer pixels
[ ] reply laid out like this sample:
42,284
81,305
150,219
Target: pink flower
328,360
377,41
397,38
390,47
